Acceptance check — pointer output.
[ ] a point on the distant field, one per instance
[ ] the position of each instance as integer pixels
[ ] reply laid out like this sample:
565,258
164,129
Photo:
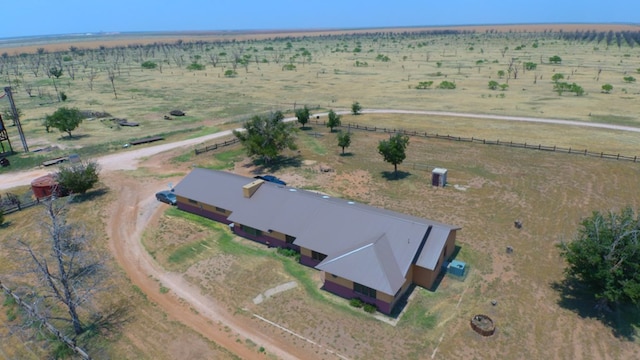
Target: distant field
377,67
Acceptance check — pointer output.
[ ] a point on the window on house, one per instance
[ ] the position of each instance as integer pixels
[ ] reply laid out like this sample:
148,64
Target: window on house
364,290
290,239
220,210
317,256
251,231
193,201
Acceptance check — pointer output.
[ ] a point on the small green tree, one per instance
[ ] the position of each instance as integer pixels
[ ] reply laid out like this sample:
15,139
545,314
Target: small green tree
605,256
230,73
303,116
422,85
447,85
334,120
504,87
78,178
530,66
606,88
64,119
195,66
493,85
149,65
629,79
356,108
394,150
344,139
267,136
557,77
555,59
55,72
577,89
501,74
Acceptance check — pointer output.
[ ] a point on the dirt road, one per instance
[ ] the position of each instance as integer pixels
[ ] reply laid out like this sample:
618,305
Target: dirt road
128,217
129,159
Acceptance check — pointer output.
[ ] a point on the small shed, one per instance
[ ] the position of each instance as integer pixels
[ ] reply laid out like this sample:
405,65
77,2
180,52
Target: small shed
439,177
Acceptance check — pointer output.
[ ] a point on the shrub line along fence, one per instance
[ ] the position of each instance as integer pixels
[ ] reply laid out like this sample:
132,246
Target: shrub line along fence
69,342
216,145
540,147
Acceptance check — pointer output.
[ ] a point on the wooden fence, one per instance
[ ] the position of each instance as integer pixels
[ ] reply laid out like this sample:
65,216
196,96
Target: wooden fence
11,208
217,145
69,342
540,147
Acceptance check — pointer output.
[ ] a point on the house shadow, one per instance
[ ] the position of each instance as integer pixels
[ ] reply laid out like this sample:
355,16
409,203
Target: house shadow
402,302
623,319
391,175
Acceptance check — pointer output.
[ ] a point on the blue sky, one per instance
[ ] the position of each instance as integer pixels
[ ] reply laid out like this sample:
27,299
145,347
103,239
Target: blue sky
47,17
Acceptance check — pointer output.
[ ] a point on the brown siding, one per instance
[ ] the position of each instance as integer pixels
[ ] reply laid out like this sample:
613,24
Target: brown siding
338,280
423,277
305,252
450,244
278,235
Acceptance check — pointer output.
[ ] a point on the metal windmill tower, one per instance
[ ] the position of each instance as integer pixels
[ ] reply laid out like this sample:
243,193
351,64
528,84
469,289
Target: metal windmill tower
16,120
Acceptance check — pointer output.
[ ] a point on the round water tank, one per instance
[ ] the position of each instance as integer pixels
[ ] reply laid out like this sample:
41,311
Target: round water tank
45,186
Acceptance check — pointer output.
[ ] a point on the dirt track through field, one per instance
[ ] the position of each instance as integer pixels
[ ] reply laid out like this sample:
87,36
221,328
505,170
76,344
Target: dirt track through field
136,207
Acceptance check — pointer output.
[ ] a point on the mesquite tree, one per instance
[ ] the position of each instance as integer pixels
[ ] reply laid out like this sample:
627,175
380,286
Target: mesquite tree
68,275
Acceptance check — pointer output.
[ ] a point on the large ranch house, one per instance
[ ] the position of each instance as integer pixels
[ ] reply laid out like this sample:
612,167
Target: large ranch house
365,252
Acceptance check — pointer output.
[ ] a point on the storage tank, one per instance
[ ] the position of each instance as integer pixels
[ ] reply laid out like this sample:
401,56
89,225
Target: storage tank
45,186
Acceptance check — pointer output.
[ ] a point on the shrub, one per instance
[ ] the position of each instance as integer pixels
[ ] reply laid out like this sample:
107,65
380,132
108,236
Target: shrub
629,79
288,67
370,308
230,73
63,96
195,66
355,302
149,65
448,85
424,85
287,252
383,58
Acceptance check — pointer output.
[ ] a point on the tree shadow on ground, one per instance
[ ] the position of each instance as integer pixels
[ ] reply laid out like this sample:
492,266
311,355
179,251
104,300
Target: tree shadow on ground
89,195
281,162
73,137
391,175
575,296
347,154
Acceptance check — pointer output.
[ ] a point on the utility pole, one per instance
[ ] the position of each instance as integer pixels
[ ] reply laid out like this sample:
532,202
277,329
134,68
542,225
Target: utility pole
16,118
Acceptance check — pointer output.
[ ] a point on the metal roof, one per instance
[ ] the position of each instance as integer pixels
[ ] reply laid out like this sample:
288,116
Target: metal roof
371,246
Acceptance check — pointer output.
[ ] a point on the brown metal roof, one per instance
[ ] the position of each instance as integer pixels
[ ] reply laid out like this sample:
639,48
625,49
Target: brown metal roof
368,245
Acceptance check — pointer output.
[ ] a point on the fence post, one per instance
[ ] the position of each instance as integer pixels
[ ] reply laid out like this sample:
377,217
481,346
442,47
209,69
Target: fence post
585,152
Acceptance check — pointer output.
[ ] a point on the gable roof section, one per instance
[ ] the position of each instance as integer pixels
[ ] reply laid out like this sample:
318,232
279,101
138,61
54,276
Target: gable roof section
367,264
371,246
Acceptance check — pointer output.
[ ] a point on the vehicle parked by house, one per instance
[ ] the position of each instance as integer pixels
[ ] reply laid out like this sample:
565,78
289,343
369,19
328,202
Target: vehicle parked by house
167,197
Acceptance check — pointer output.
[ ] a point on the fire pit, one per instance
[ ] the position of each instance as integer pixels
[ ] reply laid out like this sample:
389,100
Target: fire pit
483,325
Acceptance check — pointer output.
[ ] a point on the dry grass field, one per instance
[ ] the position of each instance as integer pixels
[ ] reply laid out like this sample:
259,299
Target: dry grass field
536,317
